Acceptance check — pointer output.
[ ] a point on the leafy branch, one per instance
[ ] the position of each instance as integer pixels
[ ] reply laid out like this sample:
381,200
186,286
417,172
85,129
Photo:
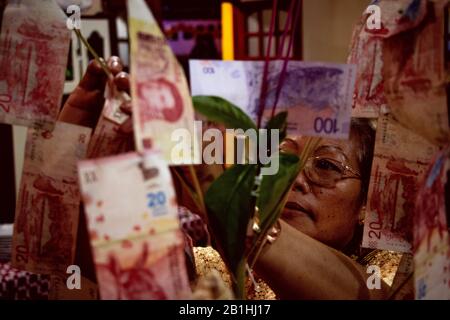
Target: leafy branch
240,195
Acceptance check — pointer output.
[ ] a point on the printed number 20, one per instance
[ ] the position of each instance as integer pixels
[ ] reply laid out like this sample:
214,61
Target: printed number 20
156,199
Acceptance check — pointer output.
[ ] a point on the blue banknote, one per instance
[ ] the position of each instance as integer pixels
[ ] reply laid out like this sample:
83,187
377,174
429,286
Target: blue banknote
317,96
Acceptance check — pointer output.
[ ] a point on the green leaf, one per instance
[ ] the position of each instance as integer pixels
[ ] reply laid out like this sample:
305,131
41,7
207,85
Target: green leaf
222,111
273,188
230,207
279,122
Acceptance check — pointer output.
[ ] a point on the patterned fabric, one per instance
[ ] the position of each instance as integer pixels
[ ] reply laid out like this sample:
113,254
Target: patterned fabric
194,227
388,262
208,259
22,285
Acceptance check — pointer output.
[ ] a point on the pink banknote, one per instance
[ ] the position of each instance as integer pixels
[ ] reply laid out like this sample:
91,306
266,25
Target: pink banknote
431,233
34,45
415,76
401,158
366,51
107,139
48,205
161,99
134,228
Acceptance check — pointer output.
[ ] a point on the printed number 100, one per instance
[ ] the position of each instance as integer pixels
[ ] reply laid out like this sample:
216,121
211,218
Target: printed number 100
326,125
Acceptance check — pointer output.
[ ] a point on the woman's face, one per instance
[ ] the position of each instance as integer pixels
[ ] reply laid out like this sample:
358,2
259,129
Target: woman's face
328,214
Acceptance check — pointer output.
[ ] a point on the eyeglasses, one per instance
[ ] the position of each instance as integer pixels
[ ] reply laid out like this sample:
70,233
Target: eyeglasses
326,172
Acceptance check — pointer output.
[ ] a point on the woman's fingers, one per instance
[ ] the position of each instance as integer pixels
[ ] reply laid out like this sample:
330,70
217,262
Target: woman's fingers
115,65
94,78
126,107
122,81
84,105
127,127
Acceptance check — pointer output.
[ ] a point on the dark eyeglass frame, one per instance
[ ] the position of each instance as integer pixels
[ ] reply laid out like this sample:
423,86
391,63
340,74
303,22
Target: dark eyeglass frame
347,171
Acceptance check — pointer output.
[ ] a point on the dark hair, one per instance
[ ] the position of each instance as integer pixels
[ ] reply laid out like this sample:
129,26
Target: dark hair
364,131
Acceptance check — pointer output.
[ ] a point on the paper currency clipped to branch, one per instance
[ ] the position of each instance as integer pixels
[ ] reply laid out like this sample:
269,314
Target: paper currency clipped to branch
131,210
34,45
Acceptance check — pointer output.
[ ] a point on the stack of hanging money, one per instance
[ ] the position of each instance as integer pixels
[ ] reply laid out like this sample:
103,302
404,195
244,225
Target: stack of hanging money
401,80
134,228
393,77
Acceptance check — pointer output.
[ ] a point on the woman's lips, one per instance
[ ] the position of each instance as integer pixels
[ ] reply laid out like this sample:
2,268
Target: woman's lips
298,208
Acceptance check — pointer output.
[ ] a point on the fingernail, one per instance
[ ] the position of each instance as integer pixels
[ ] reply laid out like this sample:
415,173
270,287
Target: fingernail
115,64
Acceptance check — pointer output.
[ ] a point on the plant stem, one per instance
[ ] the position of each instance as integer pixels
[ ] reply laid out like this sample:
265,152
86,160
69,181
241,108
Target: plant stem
198,189
100,60
191,192
239,286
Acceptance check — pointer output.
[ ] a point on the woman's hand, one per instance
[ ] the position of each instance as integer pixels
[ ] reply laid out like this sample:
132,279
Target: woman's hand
85,103
297,266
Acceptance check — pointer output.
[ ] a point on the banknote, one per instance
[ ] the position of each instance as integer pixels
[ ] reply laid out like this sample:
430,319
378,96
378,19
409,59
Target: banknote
34,44
133,227
415,76
124,198
146,268
318,96
107,139
161,100
431,232
403,285
47,209
401,158
59,290
113,100
366,51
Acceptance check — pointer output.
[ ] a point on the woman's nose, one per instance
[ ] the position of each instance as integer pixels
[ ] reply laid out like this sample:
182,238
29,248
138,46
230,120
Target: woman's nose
301,184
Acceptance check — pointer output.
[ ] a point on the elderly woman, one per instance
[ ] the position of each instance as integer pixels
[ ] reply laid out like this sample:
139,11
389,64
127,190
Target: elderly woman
320,221
320,229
